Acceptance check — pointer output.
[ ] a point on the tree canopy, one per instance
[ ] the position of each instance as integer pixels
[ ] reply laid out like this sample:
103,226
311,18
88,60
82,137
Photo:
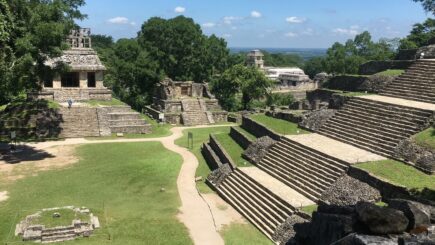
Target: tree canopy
420,35
239,79
346,58
428,5
30,32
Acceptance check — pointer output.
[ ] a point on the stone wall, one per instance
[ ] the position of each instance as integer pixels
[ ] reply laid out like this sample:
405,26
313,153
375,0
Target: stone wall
386,189
100,94
77,94
373,67
153,113
286,115
220,116
212,105
240,138
416,155
210,157
258,129
221,152
406,54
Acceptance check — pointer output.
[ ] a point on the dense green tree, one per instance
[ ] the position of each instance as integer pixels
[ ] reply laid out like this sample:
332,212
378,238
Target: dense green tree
420,34
428,5
132,73
182,50
346,58
31,32
239,79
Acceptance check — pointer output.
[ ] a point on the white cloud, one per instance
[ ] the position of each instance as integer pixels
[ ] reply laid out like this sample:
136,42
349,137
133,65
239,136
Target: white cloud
352,31
291,34
133,23
209,25
118,20
255,14
179,10
230,19
295,20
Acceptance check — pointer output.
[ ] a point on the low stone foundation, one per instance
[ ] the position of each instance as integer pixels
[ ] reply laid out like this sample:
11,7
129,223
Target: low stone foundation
240,138
76,94
258,129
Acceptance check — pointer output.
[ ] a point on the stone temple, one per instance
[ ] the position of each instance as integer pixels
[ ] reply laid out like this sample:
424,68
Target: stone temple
185,103
84,80
287,79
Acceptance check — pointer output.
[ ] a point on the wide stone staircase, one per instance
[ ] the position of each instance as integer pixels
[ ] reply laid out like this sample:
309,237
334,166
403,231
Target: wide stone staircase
256,203
375,126
417,83
58,234
305,170
79,122
122,119
195,113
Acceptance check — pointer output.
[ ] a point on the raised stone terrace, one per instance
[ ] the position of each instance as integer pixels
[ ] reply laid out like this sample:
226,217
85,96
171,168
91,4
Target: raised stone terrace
417,83
186,103
375,125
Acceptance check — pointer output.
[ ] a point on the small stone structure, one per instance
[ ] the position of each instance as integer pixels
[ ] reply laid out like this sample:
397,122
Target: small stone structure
255,58
291,79
185,103
40,233
83,81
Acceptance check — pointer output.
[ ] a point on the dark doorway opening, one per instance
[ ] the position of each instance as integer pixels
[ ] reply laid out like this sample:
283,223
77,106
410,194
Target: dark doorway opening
91,80
70,80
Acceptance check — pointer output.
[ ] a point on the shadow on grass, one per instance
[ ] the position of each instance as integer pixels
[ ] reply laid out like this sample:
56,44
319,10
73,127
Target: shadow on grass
23,153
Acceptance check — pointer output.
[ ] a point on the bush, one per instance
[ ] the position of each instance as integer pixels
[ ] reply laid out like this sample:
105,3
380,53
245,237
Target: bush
280,99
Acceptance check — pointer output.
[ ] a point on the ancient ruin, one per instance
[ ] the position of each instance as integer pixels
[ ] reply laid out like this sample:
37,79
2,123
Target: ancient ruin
33,228
84,79
294,171
186,103
287,79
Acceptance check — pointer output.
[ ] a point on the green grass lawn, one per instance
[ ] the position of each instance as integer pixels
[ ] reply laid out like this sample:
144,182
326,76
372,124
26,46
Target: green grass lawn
119,182
278,125
113,102
310,209
400,174
426,138
243,234
66,217
391,72
200,136
233,149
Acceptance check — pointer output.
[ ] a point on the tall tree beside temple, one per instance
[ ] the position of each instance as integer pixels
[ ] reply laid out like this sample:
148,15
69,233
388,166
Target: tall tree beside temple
30,32
428,5
182,50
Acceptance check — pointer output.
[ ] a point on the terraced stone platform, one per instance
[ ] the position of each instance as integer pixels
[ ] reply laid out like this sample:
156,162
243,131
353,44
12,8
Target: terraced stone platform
335,148
400,102
283,191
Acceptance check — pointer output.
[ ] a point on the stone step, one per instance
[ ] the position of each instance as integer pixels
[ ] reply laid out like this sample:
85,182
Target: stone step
129,122
369,129
268,215
120,109
294,155
240,205
124,116
413,97
294,174
298,159
360,133
58,238
393,108
278,204
131,129
427,95
407,85
370,119
358,142
294,185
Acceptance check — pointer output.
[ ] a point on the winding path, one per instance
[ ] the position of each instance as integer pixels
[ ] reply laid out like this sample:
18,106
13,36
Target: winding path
194,211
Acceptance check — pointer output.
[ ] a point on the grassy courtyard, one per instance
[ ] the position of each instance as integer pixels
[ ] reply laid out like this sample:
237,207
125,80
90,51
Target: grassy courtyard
278,125
400,174
426,138
119,182
233,149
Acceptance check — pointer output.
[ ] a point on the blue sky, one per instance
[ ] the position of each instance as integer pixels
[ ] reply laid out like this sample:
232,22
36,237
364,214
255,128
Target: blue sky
263,23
